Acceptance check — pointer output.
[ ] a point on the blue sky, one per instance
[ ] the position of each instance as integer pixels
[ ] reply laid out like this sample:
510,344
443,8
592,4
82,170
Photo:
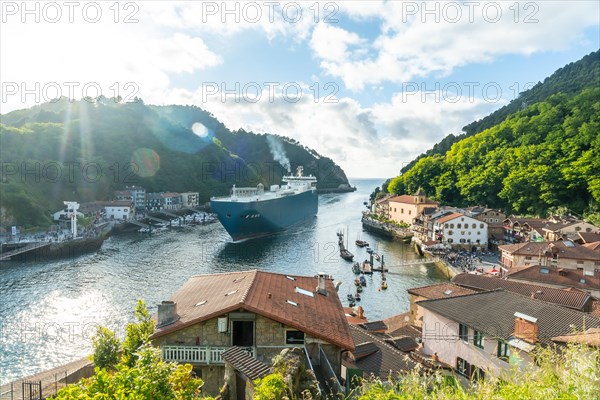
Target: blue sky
373,61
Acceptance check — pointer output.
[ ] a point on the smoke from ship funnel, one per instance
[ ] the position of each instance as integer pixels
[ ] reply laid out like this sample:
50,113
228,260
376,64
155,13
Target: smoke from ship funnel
278,153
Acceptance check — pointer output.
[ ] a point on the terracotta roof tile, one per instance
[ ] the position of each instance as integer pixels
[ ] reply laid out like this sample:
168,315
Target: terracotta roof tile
440,291
408,199
591,337
589,237
556,276
563,248
265,293
449,217
572,299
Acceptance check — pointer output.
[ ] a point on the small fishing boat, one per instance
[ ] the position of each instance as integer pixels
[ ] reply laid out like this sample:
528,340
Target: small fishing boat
361,243
376,256
351,303
363,280
359,288
356,268
357,282
383,285
350,297
346,255
357,296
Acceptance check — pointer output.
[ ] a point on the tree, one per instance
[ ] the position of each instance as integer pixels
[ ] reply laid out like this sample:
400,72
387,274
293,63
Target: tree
106,348
137,334
149,378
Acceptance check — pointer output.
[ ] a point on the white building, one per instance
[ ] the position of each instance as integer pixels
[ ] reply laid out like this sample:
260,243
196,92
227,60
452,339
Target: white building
459,230
119,210
190,199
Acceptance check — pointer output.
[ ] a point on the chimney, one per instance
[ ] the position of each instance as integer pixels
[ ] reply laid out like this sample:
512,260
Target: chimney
167,313
321,287
359,312
526,327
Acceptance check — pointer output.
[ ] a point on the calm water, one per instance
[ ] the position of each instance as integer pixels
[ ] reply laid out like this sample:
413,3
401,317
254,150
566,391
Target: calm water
48,310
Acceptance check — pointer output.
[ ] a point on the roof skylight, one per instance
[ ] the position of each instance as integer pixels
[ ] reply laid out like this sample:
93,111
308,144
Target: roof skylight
304,292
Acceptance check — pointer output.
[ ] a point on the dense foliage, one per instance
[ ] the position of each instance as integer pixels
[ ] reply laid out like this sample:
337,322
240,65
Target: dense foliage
570,80
149,378
84,150
573,373
544,156
139,373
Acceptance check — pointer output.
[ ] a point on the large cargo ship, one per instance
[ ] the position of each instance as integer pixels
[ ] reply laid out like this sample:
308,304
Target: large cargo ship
254,212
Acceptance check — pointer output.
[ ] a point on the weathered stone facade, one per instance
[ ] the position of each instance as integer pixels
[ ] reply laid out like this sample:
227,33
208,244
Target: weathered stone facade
269,340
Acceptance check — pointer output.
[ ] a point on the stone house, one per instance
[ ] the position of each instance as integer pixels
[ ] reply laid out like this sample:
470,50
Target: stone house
260,312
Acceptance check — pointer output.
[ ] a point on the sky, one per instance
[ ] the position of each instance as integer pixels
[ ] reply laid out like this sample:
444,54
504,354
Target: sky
370,84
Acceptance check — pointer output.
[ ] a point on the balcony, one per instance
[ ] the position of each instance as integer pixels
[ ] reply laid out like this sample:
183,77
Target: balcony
197,354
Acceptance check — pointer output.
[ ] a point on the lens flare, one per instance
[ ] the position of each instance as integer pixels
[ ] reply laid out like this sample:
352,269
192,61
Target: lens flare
147,161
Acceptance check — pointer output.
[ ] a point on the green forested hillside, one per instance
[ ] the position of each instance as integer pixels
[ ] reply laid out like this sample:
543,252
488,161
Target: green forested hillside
545,155
84,150
570,80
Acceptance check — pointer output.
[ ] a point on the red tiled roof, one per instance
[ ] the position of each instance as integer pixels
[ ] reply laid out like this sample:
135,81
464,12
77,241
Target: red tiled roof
557,276
590,337
593,246
589,237
567,298
449,217
205,297
408,199
438,291
575,252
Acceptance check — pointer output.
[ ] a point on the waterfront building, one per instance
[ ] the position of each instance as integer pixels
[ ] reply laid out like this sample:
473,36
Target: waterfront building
172,201
138,196
461,231
406,208
190,199
122,210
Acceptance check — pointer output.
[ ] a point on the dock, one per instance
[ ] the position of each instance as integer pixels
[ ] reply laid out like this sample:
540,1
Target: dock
27,248
50,381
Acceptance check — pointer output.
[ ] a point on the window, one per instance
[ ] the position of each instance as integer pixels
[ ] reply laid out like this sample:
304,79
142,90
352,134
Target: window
402,211
294,337
452,226
477,373
463,333
446,226
478,339
450,240
409,211
481,226
459,226
579,261
503,350
462,240
528,257
463,367
544,271
474,226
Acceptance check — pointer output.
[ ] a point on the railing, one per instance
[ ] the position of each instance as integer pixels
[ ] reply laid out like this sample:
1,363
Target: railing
197,354
328,373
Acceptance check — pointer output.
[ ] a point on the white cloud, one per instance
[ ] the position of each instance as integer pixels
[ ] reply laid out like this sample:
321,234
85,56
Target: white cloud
413,44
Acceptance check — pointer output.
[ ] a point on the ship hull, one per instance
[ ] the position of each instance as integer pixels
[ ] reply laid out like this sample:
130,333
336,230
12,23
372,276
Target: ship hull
248,220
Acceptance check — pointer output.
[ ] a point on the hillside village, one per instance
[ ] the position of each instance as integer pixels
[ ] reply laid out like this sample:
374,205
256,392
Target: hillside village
480,324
